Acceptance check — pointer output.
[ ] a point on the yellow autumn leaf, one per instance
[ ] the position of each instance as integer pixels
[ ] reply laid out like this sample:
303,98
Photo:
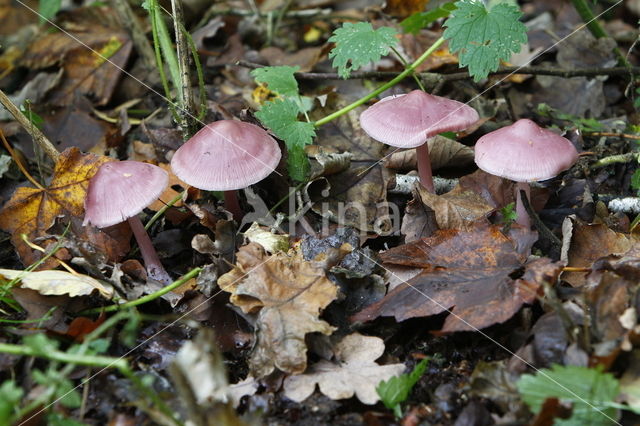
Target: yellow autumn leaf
58,283
32,211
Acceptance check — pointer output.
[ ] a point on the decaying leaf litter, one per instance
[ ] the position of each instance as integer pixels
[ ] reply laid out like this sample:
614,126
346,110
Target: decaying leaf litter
344,272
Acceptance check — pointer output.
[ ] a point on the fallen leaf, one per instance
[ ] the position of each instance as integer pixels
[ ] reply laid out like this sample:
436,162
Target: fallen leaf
33,211
38,306
169,193
457,209
85,72
287,293
58,283
443,152
404,8
465,272
419,221
584,243
353,372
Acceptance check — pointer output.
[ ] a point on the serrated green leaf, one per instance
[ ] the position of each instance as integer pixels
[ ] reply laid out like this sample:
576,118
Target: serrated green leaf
396,390
359,44
420,20
484,37
278,79
588,389
281,117
10,395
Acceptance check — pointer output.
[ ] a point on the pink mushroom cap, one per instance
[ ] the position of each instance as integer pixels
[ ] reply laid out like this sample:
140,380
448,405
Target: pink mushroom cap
407,121
122,189
524,152
226,155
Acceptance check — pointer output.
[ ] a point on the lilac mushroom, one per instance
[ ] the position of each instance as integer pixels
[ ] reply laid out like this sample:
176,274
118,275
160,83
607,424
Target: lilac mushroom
119,191
227,155
524,152
408,121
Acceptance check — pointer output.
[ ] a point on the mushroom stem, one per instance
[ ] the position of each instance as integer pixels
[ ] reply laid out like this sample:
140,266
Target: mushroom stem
232,204
152,263
424,167
523,217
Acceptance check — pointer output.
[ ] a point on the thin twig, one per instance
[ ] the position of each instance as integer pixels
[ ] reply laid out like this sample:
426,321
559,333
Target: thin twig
38,137
436,77
541,227
613,159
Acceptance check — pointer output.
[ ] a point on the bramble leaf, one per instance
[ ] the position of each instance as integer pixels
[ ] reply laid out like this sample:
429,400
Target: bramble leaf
281,117
279,79
358,44
590,391
484,37
420,20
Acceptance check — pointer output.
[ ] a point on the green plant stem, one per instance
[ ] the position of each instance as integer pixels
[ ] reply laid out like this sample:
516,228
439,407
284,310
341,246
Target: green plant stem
92,361
619,158
145,299
410,69
595,28
160,212
405,63
187,110
88,360
156,25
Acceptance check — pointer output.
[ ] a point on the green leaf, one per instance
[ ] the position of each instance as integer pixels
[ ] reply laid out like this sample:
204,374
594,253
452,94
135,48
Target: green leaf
635,181
509,214
396,390
590,391
10,395
281,117
420,20
484,37
60,386
48,9
359,44
278,79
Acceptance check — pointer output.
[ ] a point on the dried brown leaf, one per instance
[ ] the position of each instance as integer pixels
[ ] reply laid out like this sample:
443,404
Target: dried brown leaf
468,273
288,295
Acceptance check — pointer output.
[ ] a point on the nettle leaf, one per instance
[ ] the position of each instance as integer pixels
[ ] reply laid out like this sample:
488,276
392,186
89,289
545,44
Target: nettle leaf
484,37
281,117
359,44
420,20
591,392
278,79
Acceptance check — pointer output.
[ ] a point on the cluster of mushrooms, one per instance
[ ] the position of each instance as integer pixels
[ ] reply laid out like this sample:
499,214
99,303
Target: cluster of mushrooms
228,155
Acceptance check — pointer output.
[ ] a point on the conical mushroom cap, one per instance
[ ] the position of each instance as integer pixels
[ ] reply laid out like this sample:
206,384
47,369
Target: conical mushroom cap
524,152
121,189
226,155
407,121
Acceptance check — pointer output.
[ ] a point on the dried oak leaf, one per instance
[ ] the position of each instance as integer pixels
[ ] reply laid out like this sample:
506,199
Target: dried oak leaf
288,294
33,211
468,273
354,371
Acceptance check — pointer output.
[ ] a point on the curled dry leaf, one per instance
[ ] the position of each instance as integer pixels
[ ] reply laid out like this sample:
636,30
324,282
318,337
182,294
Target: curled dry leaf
584,243
288,294
57,283
354,371
467,273
33,211
457,209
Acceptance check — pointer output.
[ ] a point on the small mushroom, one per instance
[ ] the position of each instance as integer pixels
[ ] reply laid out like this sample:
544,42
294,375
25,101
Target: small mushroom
408,121
524,152
225,156
119,191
